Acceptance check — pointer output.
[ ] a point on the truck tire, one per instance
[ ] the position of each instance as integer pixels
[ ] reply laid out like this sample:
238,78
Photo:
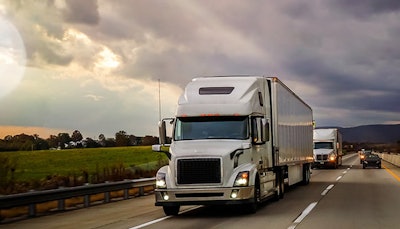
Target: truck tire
171,210
280,181
306,174
252,207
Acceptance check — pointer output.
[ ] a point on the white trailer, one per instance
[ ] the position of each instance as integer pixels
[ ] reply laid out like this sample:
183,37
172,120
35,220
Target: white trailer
327,148
235,140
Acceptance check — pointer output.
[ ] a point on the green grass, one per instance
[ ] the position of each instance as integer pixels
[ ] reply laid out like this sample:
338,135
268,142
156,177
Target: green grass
35,165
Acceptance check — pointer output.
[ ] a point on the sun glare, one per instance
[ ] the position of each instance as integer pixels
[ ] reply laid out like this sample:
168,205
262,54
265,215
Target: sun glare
12,57
107,59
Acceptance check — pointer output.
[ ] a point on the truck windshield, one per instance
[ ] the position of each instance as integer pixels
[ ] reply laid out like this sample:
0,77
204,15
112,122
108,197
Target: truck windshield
211,127
323,145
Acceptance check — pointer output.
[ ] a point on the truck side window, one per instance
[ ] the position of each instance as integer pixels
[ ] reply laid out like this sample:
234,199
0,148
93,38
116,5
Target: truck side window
259,130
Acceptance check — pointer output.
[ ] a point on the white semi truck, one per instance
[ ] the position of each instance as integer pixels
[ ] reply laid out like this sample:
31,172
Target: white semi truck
327,148
235,140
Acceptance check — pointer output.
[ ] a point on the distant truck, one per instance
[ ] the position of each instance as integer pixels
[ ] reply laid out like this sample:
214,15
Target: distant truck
236,140
327,148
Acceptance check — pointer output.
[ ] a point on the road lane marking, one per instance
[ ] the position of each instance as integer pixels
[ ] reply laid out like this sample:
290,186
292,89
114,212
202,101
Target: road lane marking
327,190
151,222
339,177
303,215
391,173
163,218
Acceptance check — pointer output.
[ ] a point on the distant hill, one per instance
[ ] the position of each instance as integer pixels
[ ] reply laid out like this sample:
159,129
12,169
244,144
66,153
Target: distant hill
371,133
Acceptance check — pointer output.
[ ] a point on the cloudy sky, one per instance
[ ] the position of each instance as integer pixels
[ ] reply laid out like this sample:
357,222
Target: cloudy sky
95,66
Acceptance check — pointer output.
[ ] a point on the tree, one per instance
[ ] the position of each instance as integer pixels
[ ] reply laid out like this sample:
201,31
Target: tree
63,139
52,141
90,143
121,138
149,140
102,140
76,136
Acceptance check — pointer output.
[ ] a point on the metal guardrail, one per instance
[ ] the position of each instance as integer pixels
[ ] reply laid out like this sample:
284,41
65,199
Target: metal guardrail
36,197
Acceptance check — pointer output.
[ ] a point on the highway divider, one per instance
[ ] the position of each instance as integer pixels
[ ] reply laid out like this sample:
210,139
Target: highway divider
31,199
392,158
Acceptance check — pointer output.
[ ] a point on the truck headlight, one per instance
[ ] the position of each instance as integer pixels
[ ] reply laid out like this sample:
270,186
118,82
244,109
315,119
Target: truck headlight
332,157
160,180
242,179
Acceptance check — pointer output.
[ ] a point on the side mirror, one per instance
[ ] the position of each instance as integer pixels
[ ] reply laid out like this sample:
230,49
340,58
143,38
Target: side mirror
157,148
162,129
162,132
259,130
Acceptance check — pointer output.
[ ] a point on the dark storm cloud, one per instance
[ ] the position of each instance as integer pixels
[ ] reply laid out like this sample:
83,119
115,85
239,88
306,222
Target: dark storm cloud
40,26
340,56
366,8
85,12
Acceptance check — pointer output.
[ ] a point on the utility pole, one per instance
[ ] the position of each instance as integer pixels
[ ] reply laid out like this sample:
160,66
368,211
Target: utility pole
159,101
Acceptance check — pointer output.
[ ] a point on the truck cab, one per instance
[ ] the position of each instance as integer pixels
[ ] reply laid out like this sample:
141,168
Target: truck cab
224,148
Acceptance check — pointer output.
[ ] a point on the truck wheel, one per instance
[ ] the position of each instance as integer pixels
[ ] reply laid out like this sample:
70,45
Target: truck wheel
281,185
252,207
306,174
171,210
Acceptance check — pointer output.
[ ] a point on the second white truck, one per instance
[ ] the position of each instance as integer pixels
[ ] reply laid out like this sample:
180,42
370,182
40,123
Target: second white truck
236,140
327,148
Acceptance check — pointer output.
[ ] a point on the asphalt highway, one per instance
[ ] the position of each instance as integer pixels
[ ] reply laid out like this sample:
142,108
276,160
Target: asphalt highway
348,197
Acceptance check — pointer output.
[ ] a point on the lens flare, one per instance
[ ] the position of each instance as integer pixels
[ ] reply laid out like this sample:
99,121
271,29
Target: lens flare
12,57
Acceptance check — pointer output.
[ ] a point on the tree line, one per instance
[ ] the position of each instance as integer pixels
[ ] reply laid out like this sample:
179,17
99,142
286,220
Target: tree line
75,140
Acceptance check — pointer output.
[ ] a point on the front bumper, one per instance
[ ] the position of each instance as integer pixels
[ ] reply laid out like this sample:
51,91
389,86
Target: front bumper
371,164
198,196
322,163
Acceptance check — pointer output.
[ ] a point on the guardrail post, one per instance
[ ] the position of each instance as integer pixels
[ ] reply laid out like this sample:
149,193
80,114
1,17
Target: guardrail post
86,199
32,210
61,204
106,197
126,194
141,191
86,202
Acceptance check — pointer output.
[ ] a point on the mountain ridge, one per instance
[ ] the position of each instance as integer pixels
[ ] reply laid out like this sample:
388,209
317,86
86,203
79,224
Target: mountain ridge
376,133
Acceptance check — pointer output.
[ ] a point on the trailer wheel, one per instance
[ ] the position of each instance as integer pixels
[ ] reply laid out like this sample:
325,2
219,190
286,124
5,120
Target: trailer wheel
171,210
306,174
281,184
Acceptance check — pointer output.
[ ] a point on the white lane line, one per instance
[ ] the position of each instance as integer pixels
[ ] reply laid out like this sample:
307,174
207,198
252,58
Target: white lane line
151,222
344,172
339,177
161,219
327,190
303,215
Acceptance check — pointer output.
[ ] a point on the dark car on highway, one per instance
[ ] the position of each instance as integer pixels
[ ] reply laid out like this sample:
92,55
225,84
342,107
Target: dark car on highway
364,154
372,160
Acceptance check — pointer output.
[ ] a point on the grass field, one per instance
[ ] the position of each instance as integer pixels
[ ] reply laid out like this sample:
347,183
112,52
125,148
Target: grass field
35,165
